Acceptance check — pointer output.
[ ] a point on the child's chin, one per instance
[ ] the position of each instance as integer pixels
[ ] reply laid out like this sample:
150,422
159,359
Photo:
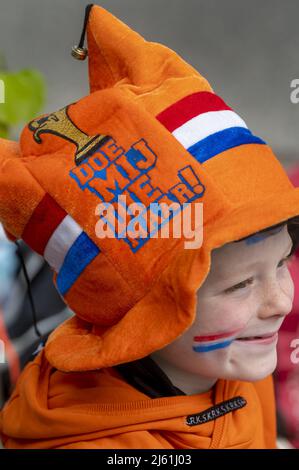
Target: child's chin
260,372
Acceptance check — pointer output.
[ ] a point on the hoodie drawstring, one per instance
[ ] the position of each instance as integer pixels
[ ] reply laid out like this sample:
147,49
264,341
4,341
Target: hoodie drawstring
31,301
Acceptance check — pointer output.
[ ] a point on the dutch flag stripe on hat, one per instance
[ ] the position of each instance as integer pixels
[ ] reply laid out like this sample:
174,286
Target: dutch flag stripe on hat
54,234
205,125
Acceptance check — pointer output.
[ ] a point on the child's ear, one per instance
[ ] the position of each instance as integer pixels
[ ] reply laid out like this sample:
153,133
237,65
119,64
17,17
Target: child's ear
20,193
117,53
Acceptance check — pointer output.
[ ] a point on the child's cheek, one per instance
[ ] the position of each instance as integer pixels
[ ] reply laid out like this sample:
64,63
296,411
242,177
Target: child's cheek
287,284
225,314
218,325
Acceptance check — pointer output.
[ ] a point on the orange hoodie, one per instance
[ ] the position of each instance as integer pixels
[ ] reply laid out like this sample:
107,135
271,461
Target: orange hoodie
99,410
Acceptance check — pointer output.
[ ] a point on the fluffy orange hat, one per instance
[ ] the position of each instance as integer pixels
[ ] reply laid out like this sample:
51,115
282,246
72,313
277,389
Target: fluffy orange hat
153,130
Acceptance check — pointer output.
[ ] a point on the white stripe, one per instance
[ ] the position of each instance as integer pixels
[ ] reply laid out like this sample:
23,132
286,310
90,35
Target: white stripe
215,341
206,124
60,242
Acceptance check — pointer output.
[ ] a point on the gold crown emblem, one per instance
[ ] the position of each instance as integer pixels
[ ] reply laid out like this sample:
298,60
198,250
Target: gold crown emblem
59,123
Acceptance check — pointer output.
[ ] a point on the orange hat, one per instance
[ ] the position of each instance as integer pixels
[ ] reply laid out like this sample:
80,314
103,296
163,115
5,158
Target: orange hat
153,130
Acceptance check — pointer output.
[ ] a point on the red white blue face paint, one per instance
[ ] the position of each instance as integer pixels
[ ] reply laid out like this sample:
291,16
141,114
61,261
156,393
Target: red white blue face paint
216,341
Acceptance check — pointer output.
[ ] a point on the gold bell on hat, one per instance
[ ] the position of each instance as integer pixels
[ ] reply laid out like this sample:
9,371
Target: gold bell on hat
80,52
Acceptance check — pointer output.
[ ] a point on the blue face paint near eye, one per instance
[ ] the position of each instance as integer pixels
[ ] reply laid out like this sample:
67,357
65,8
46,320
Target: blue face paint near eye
261,236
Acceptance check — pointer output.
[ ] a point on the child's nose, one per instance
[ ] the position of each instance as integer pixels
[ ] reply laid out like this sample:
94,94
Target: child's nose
277,298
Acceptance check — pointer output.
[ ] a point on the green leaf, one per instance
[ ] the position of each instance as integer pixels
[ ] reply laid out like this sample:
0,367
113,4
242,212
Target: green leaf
3,131
24,96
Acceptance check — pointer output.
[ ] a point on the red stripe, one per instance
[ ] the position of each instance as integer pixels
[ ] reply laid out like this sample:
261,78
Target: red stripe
44,220
189,107
213,337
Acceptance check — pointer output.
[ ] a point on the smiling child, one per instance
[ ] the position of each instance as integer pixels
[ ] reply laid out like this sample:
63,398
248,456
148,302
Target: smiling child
169,347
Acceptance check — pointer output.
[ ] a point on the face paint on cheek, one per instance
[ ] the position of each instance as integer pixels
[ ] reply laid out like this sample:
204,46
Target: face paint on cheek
215,341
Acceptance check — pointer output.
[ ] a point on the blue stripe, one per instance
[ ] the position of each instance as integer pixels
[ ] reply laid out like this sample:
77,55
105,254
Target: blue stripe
81,253
211,347
221,141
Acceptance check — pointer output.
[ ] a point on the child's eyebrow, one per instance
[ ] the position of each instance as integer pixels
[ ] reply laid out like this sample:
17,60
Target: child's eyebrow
230,277
286,252
258,237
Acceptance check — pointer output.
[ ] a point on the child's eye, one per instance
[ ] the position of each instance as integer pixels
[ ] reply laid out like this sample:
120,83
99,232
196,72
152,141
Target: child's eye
241,285
285,261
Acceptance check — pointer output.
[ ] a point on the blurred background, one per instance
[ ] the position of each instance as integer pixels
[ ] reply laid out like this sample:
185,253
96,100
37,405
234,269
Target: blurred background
249,53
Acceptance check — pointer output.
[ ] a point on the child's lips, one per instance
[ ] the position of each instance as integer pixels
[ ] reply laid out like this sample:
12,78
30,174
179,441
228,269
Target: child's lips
267,338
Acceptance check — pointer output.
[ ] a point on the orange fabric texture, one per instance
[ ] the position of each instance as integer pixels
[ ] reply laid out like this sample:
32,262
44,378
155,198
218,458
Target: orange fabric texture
98,410
131,297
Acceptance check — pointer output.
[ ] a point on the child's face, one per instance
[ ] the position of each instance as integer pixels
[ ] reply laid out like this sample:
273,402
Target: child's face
247,293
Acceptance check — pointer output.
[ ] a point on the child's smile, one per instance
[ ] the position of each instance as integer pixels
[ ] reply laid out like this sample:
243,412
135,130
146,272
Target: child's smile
268,338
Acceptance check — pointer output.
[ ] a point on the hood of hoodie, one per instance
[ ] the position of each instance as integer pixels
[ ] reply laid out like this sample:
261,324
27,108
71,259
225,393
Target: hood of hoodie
98,409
